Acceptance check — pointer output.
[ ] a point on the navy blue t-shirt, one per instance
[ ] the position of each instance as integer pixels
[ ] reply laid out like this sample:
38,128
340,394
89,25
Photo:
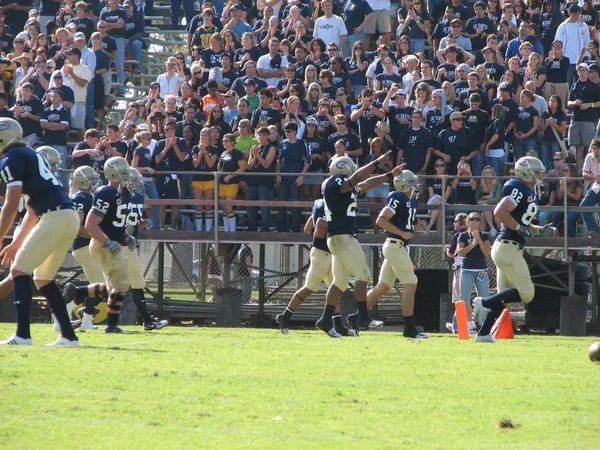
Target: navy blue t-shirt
318,212
293,156
340,207
83,204
109,205
112,17
58,115
474,260
24,166
525,122
455,143
404,209
497,126
525,211
35,107
415,144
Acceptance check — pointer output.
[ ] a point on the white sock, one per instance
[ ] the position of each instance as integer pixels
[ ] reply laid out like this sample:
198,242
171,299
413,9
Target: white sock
226,223
232,224
198,224
471,324
87,319
208,224
55,324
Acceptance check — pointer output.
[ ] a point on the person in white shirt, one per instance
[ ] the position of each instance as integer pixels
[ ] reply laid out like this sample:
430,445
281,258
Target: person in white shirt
591,173
170,81
575,35
79,77
329,27
270,66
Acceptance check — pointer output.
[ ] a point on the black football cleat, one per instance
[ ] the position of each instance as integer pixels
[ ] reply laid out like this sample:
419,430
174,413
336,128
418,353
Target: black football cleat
327,327
284,323
112,329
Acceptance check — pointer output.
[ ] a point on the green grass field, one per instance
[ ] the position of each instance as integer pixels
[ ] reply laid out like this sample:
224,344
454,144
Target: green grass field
243,388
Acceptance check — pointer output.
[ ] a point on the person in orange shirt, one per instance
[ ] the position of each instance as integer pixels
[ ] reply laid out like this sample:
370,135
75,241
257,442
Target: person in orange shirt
213,98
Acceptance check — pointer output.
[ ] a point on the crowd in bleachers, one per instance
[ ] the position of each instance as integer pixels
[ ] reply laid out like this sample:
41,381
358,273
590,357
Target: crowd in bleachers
282,87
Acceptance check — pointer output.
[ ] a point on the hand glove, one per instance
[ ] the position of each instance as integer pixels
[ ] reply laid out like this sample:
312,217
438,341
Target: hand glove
523,231
132,242
112,246
148,223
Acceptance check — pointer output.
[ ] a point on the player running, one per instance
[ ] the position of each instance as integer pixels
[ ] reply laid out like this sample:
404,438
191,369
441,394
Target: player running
516,210
340,194
41,242
397,218
134,198
106,224
318,271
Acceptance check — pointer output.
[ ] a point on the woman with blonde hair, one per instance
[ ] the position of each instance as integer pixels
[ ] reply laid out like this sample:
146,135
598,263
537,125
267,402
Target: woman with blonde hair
204,160
535,72
449,93
57,52
313,96
489,192
310,76
170,81
485,82
495,155
422,97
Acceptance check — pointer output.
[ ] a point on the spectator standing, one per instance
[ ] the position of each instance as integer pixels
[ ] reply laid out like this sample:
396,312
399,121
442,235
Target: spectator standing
459,226
591,173
574,35
134,33
102,81
381,21
142,160
79,77
584,98
454,143
204,160
39,77
569,191
495,154
231,160
357,15
83,24
416,145
331,28
27,112
292,157
88,59
464,186
270,66
265,114
55,121
115,18
170,81
367,115
263,158
479,27
477,120
527,126
489,192
245,277
553,125
48,10
236,23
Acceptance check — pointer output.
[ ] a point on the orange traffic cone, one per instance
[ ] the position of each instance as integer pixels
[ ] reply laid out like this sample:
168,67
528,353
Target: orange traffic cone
503,329
461,320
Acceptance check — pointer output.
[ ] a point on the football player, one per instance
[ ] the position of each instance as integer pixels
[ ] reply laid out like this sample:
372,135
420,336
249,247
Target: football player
318,271
41,242
516,210
398,221
340,193
86,180
134,198
106,224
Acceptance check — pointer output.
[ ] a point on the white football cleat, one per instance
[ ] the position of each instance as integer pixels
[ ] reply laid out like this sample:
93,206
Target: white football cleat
487,339
16,340
63,342
87,323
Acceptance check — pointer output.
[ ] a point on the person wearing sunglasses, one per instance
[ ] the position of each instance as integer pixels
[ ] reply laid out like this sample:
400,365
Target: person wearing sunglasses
455,143
474,248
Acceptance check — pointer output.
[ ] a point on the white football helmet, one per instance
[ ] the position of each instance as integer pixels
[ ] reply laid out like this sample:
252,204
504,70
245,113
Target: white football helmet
86,178
116,170
530,169
10,132
406,182
135,183
51,155
342,165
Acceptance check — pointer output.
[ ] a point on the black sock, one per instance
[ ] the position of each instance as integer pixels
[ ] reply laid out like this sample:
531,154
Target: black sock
56,302
496,309
23,294
503,297
362,310
112,319
328,313
288,313
337,321
408,322
80,294
90,305
140,302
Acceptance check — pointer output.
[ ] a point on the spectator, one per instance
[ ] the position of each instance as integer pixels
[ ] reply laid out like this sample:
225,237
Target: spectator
572,191
495,155
456,34
473,87
102,83
142,160
88,152
379,194
552,128
262,159
292,157
236,23
189,120
547,197
204,160
318,156
454,143
477,120
170,81
464,186
489,192
353,148
248,52
265,114
115,17
415,145
88,59
270,66
539,102
437,196
169,154
357,64
417,25
79,77
134,34
291,106
358,14
584,98
591,173
27,112
55,121
367,115
215,118
527,126
83,24
451,249
243,107
201,37
330,27
231,160
39,77
479,26
574,35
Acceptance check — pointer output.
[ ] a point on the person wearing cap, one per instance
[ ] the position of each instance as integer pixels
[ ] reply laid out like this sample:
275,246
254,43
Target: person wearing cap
331,28
479,27
101,79
250,73
251,96
83,24
79,77
88,58
462,84
584,101
557,68
574,35
594,73
236,23
455,143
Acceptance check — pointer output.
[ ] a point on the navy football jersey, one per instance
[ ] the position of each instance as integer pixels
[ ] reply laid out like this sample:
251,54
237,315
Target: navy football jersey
24,166
340,208
404,209
318,212
135,207
83,204
109,205
526,208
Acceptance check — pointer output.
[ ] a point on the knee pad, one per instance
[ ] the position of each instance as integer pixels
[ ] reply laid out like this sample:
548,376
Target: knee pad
115,300
100,291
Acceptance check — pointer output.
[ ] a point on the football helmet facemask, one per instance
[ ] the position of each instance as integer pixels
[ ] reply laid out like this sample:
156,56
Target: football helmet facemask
135,183
407,181
86,178
116,170
530,169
